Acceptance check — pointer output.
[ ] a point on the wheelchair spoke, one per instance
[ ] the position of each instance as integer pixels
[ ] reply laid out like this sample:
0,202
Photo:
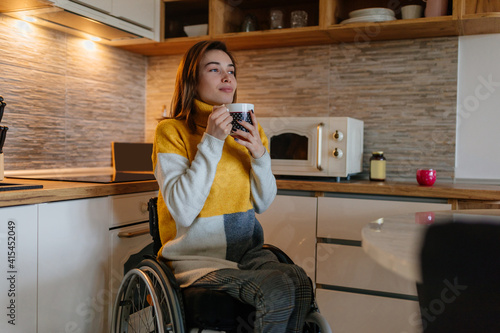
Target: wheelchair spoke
146,303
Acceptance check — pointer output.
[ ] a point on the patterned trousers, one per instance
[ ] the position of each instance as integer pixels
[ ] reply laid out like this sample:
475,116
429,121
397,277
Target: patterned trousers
281,294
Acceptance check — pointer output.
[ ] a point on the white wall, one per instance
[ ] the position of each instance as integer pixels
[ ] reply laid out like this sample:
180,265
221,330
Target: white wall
478,108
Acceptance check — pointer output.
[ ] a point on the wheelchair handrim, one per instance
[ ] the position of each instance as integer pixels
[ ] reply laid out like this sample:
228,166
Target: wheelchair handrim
124,293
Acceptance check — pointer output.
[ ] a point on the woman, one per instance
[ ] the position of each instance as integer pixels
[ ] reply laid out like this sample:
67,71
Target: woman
211,186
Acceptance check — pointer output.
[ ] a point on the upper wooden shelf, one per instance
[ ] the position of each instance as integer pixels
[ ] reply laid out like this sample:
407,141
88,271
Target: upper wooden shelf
468,18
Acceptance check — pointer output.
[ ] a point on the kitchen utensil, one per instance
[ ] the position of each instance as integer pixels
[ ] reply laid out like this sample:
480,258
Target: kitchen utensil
2,107
426,177
3,134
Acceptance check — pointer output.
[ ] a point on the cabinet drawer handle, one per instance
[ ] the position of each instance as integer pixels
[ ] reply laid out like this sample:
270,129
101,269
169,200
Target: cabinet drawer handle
144,207
130,234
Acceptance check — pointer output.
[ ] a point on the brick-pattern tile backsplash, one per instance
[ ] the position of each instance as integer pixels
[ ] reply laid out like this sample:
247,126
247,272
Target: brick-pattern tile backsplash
65,103
404,91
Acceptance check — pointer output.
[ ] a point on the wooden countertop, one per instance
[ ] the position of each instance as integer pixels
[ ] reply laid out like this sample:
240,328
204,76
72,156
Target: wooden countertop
408,189
62,190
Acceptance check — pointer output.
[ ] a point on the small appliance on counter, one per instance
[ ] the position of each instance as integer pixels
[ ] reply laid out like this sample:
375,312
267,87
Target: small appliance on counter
329,147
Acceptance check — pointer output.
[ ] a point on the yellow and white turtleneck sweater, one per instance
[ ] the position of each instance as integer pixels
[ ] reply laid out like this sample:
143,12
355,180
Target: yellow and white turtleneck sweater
209,192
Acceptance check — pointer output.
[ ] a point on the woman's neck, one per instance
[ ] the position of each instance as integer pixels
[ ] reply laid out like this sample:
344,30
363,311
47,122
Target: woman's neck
203,111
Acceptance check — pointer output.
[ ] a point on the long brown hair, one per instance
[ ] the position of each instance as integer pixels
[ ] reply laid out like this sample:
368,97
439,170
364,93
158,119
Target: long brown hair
186,82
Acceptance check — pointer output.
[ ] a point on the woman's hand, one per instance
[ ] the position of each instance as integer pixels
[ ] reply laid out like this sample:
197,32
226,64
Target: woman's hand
250,139
219,123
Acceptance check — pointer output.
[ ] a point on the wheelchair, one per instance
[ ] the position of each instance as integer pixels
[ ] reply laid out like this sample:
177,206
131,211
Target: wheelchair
150,300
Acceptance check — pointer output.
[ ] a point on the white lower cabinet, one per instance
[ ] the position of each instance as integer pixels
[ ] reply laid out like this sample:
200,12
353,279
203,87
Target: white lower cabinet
354,313
67,260
128,234
343,218
124,242
18,267
354,292
73,293
290,224
351,267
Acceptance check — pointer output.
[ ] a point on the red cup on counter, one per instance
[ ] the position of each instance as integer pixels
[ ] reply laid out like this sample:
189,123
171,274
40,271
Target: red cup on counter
426,177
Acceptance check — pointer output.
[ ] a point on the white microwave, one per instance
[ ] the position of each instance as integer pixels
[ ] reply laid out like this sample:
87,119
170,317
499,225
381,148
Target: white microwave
315,146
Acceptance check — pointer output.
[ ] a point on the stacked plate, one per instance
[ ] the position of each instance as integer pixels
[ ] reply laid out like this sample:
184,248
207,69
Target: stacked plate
370,15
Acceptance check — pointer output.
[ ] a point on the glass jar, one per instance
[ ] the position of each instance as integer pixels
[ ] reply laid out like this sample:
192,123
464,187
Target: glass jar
276,17
377,166
298,19
249,23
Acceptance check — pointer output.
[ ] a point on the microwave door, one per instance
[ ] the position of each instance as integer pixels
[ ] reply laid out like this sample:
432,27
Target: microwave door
298,149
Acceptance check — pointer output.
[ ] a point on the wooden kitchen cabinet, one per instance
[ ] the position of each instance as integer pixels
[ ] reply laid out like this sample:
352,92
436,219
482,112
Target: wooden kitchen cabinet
184,13
18,266
73,294
479,16
228,16
324,26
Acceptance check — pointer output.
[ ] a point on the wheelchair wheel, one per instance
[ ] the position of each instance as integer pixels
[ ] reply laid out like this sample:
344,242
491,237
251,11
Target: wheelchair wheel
316,323
146,302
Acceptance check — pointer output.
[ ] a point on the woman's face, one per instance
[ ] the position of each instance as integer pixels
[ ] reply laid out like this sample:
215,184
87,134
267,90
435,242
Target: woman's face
216,81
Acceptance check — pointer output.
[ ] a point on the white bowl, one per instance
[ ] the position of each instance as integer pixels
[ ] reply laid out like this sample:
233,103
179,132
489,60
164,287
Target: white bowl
371,12
369,18
196,30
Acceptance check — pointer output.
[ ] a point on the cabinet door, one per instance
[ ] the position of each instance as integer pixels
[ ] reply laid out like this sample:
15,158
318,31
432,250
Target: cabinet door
290,224
349,312
130,208
102,5
73,294
350,266
343,218
125,242
140,12
18,266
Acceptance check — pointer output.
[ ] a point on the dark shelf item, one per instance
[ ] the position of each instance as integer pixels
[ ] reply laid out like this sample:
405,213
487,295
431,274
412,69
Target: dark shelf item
13,187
